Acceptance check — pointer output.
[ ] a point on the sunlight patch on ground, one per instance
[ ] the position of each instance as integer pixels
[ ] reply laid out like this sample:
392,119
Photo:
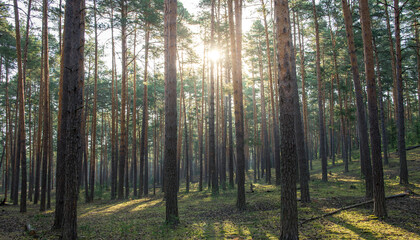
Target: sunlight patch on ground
230,231
146,205
111,209
332,230
374,227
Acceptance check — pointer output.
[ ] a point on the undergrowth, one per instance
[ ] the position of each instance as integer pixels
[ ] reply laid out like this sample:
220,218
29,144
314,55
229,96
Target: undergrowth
203,216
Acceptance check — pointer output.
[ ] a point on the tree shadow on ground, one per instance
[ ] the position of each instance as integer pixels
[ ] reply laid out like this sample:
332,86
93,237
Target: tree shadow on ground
359,231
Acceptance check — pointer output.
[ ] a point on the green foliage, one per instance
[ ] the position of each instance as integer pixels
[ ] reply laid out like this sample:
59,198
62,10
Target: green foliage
204,216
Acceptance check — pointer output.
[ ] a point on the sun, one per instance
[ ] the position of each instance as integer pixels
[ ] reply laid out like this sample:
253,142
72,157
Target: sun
214,55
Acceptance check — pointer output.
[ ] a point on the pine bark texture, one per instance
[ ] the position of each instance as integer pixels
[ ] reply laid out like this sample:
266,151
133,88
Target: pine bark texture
123,143
400,103
73,81
170,166
289,218
322,148
365,163
379,208
21,99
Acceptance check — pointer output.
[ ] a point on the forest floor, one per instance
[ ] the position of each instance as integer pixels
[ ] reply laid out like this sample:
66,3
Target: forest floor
204,216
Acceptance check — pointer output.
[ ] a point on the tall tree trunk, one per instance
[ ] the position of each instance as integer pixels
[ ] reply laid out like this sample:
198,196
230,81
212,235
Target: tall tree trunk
123,143
50,156
45,134
289,221
179,143
134,144
304,98
85,137
322,148
94,110
379,208
126,170
336,76
201,122
299,135
114,136
400,102
73,81
170,177
187,176
8,134
273,109
344,153
145,122
264,134
361,113
224,128
236,54
255,137
381,106
393,59
212,146
21,99
38,137
416,34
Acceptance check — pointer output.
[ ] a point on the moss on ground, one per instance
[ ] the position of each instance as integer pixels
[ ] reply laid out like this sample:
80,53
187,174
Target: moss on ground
204,216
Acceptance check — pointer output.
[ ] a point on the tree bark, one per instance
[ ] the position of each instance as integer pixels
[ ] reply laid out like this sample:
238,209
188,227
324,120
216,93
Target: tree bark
264,134
114,136
379,207
289,220
416,34
73,81
304,97
393,60
123,143
273,109
145,121
212,144
94,115
400,102
45,134
366,166
21,99
170,177
381,106
322,148
134,144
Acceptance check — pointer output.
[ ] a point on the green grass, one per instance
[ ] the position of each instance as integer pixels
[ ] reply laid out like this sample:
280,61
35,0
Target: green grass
204,216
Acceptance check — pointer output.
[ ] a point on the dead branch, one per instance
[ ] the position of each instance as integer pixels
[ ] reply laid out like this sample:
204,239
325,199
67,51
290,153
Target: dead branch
352,206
